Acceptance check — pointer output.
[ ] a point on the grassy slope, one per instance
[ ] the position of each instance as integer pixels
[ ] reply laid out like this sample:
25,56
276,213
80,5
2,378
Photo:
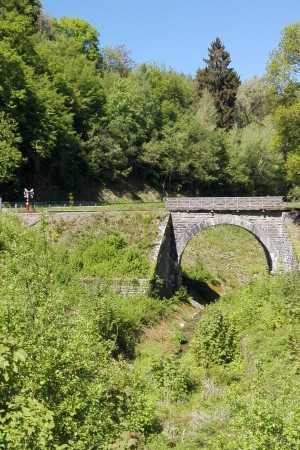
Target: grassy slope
106,243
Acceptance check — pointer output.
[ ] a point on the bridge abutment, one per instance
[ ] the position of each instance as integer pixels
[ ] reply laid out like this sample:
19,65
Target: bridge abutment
166,277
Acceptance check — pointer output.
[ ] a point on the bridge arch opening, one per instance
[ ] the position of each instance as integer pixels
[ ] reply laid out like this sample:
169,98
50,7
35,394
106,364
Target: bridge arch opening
225,255
257,231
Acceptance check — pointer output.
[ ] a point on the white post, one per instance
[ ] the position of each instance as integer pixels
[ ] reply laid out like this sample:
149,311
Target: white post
0,204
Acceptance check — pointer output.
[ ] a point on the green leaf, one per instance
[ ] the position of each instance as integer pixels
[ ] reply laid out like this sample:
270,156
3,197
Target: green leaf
19,355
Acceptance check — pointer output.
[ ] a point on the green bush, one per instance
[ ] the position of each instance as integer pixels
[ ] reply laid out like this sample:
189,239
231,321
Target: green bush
264,421
171,377
215,339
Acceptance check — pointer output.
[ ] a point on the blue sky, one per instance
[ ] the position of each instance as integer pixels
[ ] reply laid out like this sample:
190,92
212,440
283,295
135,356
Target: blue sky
177,33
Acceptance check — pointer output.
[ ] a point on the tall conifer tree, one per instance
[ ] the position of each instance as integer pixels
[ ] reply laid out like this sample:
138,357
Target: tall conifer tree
221,81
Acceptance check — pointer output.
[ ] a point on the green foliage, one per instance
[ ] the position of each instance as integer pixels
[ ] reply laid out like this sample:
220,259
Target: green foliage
241,398
254,166
181,295
71,375
27,424
117,60
283,88
266,421
131,111
10,358
264,406
214,340
199,273
187,155
24,421
251,102
19,24
110,255
222,257
119,321
171,378
207,114
104,155
82,33
62,385
283,67
82,120
12,79
71,199
10,156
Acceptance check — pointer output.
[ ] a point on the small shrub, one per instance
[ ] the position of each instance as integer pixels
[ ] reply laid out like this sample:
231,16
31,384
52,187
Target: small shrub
171,378
181,295
178,339
214,341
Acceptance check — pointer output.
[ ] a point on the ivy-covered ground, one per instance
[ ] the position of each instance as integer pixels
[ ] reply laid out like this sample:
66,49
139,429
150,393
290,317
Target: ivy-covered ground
84,368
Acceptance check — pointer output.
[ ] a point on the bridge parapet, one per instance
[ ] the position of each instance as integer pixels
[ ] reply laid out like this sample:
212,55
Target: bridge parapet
272,203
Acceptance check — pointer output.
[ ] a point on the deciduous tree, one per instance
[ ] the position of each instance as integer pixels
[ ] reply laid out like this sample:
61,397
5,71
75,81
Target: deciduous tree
251,102
84,35
10,155
255,167
118,60
283,68
282,79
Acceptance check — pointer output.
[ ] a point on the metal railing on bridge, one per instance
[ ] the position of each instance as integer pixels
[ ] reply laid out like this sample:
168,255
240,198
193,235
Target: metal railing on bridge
225,203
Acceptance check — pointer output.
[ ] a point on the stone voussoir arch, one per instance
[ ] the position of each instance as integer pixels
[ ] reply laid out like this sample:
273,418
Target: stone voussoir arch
266,218
256,230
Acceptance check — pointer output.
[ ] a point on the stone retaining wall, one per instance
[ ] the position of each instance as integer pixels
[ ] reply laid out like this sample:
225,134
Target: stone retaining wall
125,288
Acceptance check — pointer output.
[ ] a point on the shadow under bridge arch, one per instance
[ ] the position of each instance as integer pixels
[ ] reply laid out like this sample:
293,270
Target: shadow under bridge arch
255,229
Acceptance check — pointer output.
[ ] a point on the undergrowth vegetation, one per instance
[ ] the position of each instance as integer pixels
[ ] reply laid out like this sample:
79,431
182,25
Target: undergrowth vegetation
237,385
83,368
65,377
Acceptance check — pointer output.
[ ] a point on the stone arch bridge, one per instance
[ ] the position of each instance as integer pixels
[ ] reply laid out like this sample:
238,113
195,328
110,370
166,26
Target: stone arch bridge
264,217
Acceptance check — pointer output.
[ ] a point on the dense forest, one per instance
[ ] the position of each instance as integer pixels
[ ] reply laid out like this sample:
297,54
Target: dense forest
76,117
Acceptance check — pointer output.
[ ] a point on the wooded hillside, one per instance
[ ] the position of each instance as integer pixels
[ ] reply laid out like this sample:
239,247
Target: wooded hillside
76,117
